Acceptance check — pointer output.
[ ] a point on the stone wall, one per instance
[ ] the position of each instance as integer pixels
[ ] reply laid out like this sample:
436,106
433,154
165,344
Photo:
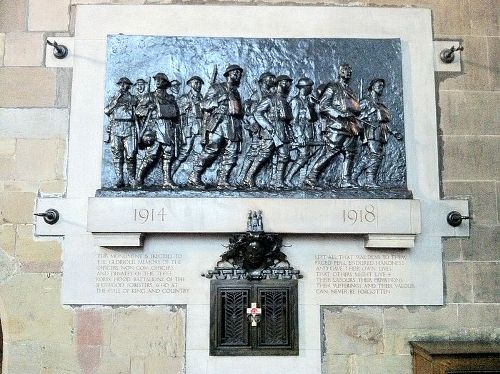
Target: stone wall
41,336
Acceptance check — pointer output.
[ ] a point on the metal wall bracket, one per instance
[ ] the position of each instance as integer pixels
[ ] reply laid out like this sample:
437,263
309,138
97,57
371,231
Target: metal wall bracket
51,61
439,65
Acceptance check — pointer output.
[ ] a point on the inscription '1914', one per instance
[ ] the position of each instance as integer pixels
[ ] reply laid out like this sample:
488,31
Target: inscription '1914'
352,216
144,215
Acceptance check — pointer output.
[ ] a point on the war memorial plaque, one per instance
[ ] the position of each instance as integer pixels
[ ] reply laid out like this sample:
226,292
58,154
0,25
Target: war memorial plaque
180,128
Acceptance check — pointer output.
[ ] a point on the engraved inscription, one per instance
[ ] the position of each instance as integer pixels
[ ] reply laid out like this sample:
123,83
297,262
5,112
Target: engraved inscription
139,273
367,274
145,215
366,215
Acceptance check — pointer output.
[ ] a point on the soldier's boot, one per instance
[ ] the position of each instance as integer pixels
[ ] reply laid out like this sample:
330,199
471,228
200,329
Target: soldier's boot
291,173
132,181
371,173
168,183
311,180
223,177
279,175
347,168
247,163
118,165
251,174
194,179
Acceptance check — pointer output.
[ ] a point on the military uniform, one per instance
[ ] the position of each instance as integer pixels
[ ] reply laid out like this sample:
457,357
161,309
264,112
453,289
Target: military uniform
122,133
191,120
303,130
223,131
339,106
273,114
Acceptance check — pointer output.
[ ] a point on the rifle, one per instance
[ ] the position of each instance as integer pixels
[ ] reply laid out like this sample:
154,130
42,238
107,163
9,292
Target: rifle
206,115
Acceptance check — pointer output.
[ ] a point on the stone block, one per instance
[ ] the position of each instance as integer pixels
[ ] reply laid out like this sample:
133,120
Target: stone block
487,282
37,255
352,330
48,15
485,316
148,331
14,14
34,123
7,266
110,363
7,167
482,196
336,364
48,167
482,244
117,2
16,207
24,49
21,186
2,47
469,113
59,358
8,238
458,282
22,357
54,187
63,88
33,310
137,365
419,317
27,87
162,364
7,146
452,249
93,326
470,158
382,364
493,57
484,16
476,74
446,19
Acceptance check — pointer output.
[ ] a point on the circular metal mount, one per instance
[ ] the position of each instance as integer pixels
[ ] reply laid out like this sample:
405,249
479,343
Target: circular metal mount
448,55
50,216
455,218
60,51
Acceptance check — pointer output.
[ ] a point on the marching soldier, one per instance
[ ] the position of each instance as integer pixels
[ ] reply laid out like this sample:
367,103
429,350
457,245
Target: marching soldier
122,133
265,84
143,103
273,115
376,118
223,129
304,117
164,118
191,119
340,107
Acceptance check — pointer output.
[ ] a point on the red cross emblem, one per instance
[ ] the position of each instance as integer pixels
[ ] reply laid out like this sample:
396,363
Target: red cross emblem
253,312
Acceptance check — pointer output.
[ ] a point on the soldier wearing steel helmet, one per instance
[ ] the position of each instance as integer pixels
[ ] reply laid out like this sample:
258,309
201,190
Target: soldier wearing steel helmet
265,85
303,129
340,107
163,122
274,115
225,113
376,118
191,120
121,132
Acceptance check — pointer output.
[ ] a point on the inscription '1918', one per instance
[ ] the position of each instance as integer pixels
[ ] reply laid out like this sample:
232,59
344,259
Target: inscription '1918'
353,216
144,215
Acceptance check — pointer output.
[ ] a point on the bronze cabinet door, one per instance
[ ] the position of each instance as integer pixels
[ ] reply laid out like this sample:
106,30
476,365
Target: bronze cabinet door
271,330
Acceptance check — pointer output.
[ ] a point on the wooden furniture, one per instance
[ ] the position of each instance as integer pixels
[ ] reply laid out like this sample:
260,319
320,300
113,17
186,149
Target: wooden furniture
455,357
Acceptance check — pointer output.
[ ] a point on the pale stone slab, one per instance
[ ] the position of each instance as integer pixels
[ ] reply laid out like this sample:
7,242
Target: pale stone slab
48,15
34,123
23,49
2,47
229,215
28,87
